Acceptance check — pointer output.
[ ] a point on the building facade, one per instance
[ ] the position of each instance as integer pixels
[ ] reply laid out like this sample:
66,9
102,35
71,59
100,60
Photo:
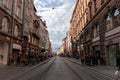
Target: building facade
65,46
11,25
21,31
101,32
104,25
60,50
78,21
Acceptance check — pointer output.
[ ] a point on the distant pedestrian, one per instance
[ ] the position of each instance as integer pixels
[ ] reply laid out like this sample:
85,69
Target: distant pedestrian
18,60
87,59
82,59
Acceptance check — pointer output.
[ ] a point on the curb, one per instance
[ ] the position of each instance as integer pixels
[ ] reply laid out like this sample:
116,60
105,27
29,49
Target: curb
91,69
29,69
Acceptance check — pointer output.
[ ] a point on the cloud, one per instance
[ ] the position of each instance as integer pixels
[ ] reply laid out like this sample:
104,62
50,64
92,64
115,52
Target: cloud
57,14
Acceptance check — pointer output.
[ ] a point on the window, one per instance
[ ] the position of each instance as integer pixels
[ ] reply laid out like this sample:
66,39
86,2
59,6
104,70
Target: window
108,23
90,12
29,38
87,35
26,26
116,12
5,2
116,18
96,30
5,24
87,16
17,11
18,8
95,5
90,9
16,31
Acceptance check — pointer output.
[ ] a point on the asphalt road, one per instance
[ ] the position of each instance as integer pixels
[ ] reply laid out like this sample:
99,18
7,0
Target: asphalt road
61,69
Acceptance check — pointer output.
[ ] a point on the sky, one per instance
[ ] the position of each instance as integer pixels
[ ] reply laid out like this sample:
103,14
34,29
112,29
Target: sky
57,14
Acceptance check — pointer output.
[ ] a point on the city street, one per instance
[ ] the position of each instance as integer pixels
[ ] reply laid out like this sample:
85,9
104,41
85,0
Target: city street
59,39
60,68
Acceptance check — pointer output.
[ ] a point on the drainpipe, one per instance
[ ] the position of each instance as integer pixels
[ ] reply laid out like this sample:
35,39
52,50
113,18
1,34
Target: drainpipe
11,32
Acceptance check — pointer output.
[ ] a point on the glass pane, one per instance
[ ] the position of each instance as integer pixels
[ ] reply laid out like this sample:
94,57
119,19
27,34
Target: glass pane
108,18
116,12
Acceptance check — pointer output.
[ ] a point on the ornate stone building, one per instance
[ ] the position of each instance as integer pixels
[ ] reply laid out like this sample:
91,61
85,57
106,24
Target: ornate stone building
10,29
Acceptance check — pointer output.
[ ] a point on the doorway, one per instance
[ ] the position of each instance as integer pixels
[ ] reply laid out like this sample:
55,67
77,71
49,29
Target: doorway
112,52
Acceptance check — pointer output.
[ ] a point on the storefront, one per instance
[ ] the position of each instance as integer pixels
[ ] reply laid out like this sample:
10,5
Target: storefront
16,52
112,54
112,43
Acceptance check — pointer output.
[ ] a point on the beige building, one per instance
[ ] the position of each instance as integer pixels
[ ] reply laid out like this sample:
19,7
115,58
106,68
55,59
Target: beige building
78,22
60,50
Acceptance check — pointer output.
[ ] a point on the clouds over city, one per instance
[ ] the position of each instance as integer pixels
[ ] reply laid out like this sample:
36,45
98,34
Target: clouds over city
57,14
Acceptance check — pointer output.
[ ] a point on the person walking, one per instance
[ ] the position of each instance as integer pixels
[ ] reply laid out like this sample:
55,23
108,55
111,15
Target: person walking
18,60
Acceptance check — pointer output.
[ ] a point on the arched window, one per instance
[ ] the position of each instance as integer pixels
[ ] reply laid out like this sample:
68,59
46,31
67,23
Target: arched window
19,8
5,24
16,31
108,23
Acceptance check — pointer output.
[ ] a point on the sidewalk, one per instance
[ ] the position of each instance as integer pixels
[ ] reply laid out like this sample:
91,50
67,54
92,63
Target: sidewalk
104,69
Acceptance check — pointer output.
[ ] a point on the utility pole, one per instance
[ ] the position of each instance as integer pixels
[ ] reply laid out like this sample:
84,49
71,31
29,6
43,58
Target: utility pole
11,34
